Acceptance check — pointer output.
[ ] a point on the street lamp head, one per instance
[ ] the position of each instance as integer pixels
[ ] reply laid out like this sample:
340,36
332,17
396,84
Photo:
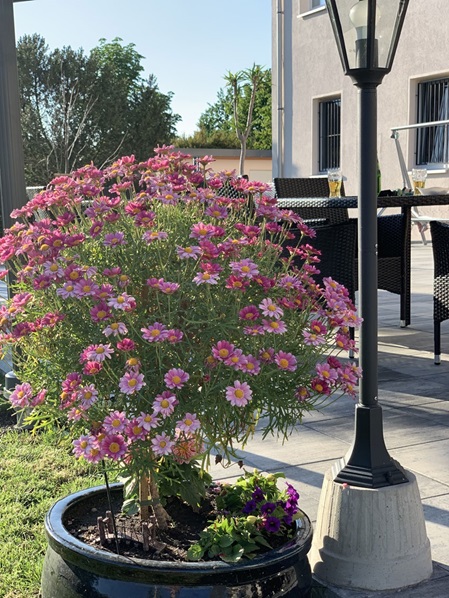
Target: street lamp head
367,34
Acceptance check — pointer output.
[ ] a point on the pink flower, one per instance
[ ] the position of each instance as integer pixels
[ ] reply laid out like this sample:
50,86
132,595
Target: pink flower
152,235
85,288
114,239
223,350
325,372
310,338
320,386
165,403
67,290
285,361
202,231
192,252
155,333
237,283
97,353
100,312
250,365
239,394
126,344
131,382
82,445
249,313
302,394
115,329
162,444
206,277
87,395
236,359
246,268
115,422
91,368
148,421
270,309
21,396
169,287
189,423
174,336
135,431
317,327
266,355
114,446
123,301
176,378
274,326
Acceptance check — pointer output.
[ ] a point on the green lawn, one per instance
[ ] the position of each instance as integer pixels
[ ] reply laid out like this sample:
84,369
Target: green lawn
34,472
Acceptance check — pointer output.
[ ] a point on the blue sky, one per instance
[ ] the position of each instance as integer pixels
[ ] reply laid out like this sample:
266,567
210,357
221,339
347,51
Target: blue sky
188,45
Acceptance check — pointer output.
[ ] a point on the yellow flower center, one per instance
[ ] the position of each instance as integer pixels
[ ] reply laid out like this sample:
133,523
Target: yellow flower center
120,299
101,314
162,444
223,352
283,363
114,447
99,350
165,404
239,393
155,332
176,379
188,422
245,268
116,423
132,382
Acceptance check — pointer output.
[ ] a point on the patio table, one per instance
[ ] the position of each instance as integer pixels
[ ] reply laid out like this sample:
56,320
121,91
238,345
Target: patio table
405,202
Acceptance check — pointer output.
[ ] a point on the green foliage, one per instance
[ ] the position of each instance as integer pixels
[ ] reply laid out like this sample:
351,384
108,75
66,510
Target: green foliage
78,107
216,127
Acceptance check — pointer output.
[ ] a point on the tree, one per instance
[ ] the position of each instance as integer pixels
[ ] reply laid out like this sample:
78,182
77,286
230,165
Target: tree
216,126
77,108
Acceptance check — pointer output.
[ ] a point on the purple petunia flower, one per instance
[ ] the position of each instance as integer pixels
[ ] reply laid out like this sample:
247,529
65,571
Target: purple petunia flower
272,524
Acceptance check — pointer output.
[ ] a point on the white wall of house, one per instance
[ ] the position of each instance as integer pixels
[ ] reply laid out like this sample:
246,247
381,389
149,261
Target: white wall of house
307,70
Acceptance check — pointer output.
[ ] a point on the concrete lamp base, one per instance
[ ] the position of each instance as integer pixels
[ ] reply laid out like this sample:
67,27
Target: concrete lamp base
370,539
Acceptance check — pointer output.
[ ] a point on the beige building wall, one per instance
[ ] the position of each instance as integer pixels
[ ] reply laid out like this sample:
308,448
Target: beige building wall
257,162
307,69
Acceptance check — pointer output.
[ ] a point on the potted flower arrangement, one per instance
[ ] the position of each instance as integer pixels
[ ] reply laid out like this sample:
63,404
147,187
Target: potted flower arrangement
160,317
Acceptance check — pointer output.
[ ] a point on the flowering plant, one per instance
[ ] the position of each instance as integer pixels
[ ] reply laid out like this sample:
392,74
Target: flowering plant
160,316
253,512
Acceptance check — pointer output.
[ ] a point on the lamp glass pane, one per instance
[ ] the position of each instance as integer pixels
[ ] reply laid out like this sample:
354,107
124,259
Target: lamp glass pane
385,29
353,16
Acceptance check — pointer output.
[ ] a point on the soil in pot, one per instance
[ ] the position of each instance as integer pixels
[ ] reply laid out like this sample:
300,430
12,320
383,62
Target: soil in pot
172,544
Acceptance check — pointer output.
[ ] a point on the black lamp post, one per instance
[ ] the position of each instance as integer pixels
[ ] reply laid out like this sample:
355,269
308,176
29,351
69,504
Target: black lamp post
367,33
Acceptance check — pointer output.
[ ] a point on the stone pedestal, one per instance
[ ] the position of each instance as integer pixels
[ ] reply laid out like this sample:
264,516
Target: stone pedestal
370,539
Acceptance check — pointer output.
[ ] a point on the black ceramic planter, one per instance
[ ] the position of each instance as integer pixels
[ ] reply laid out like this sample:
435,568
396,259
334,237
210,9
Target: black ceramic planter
73,569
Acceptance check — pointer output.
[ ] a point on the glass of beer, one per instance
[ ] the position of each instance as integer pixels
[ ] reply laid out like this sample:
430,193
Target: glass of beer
334,178
419,176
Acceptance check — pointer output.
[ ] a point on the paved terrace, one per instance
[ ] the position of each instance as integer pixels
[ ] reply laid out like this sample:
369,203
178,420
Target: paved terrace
414,394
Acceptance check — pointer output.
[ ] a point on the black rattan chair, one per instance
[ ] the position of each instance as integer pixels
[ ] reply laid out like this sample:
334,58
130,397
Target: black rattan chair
337,244
440,247
303,187
393,240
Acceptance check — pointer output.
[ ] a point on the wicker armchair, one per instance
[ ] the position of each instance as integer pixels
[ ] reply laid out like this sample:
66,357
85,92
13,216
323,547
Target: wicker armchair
311,188
440,247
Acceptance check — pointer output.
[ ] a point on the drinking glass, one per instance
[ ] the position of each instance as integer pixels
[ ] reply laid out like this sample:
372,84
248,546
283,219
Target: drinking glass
419,176
334,178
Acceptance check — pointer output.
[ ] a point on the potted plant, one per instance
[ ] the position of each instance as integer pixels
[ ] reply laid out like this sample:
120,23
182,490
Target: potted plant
160,316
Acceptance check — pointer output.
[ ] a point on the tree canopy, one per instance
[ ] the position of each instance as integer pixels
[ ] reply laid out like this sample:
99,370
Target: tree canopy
216,126
78,107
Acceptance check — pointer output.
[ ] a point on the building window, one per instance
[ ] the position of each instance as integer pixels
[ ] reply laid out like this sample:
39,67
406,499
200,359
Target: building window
316,3
433,105
329,134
